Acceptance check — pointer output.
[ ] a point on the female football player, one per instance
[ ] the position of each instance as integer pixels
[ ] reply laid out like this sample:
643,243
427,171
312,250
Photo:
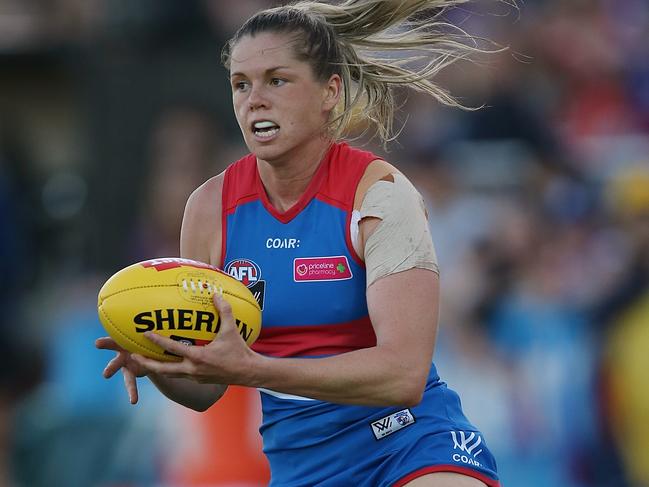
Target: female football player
338,252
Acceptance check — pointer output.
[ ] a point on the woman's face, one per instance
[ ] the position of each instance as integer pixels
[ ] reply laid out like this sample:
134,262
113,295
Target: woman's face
279,104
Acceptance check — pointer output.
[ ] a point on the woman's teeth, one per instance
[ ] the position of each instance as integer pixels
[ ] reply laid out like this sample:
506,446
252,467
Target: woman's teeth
265,129
266,133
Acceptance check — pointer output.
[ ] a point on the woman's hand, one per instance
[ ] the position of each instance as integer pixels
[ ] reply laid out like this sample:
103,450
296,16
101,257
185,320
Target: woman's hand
226,360
131,369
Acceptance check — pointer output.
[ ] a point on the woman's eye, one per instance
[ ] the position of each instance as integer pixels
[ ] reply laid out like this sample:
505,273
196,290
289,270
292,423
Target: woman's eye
277,82
240,85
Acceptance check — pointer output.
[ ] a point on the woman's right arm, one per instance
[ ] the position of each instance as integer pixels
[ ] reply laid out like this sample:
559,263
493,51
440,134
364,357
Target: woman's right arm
200,240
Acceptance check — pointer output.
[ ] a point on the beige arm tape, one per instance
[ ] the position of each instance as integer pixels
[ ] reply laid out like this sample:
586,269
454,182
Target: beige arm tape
402,240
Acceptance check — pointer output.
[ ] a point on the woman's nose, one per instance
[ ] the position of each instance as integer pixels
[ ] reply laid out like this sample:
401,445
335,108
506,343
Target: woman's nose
257,99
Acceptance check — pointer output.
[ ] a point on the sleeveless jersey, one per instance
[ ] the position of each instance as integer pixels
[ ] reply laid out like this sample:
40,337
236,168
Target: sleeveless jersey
302,268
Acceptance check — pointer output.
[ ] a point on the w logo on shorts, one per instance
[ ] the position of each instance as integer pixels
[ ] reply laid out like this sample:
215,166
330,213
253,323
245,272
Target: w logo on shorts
389,424
466,443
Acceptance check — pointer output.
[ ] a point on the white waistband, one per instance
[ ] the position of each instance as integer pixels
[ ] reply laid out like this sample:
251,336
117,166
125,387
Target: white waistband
281,395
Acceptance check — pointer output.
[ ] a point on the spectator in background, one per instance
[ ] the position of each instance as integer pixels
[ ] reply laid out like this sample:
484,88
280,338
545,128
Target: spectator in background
20,360
9,268
185,145
626,316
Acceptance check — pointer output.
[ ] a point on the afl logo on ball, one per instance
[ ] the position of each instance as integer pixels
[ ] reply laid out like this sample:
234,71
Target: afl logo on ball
244,270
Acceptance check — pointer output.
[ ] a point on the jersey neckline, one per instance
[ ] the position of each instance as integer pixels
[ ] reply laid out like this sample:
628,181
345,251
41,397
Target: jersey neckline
310,191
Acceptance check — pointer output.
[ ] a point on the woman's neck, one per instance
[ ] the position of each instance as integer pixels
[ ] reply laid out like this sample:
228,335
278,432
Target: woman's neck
287,179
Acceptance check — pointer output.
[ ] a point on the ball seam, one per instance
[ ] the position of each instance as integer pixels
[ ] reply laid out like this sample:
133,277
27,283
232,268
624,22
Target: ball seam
254,302
247,300
136,287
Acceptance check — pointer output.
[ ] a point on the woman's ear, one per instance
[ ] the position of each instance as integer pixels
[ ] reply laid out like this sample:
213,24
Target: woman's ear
332,93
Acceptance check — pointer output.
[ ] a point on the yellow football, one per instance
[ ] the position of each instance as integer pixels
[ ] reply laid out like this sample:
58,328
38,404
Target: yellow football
172,297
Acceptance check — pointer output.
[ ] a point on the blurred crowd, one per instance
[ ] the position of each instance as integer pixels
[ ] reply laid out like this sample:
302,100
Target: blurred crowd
112,112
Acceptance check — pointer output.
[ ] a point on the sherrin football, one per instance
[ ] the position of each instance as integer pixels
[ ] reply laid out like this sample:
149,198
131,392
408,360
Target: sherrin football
172,297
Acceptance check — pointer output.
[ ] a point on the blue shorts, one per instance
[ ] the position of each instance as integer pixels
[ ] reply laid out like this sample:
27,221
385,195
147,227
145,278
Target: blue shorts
322,444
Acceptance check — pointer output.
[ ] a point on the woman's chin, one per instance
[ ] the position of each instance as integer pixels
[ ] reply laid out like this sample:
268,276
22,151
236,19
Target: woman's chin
268,151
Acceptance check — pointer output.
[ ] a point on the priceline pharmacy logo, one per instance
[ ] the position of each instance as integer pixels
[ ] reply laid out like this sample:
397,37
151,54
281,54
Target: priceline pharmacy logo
334,268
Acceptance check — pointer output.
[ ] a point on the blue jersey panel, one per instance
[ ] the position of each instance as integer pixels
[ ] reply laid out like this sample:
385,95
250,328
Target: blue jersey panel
316,232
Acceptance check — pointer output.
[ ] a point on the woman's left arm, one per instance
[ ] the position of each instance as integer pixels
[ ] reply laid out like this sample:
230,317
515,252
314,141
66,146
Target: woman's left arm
403,308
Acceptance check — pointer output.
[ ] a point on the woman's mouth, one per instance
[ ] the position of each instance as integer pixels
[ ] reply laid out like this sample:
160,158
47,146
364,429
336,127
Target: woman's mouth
265,129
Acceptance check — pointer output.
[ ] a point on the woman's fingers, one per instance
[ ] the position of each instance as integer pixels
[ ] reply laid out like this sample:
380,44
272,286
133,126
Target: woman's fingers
171,369
131,385
107,343
113,366
175,347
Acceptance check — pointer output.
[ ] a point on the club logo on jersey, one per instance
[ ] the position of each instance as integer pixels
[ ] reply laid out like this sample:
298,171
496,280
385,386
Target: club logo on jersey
403,417
335,268
467,445
249,273
386,426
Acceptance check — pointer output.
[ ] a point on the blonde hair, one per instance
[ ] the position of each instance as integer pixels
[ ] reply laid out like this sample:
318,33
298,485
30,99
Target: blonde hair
358,39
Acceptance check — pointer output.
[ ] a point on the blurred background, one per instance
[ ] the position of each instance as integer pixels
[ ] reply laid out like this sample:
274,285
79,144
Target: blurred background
113,111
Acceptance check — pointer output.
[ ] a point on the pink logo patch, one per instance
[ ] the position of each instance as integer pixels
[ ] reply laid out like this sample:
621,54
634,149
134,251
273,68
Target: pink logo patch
321,269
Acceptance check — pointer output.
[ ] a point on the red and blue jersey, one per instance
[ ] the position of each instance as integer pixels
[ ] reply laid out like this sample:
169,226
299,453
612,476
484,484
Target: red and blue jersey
302,268
301,264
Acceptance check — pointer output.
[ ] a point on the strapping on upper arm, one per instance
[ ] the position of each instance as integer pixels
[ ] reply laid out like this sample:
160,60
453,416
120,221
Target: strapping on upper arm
401,238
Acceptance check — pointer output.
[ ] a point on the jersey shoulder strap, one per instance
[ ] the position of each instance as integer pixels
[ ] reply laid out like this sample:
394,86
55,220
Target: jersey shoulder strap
239,183
346,168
